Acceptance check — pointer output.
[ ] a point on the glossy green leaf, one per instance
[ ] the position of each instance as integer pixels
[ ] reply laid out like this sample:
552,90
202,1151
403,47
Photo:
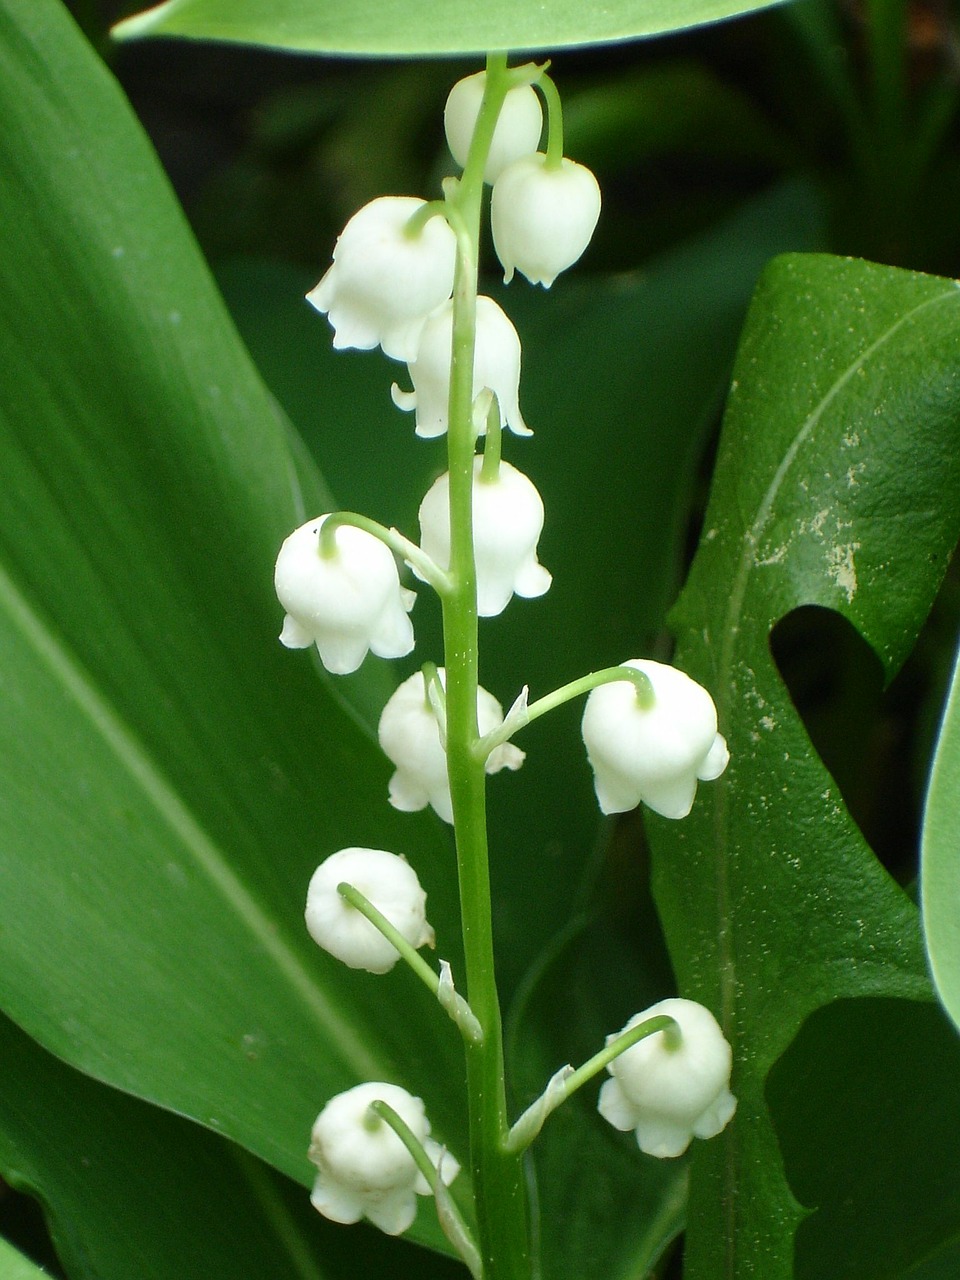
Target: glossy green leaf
134,1193
14,1266
940,857
837,484
416,27
172,775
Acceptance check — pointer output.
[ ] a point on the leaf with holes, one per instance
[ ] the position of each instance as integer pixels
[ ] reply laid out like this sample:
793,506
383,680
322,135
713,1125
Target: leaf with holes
837,484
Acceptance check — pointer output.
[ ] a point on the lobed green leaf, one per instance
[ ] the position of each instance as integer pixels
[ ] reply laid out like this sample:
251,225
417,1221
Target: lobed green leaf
836,485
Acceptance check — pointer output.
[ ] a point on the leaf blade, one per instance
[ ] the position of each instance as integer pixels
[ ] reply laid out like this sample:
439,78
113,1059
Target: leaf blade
399,28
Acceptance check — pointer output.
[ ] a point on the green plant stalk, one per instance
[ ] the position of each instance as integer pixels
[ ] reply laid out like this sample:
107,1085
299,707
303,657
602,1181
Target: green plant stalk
499,1186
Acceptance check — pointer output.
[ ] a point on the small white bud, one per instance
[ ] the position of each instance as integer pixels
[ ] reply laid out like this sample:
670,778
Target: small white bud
670,1095
346,603
657,753
364,1170
496,365
385,880
517,131
384,282
507,523
543,219
410,738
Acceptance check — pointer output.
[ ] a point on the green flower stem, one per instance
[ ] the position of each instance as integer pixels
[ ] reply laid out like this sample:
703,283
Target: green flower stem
554,122
568,1081
498,1180
454,1227
520,715
392,538
449,1000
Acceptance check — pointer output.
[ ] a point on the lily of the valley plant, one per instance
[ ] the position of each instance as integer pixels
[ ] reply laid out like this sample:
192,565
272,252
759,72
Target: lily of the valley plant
404,278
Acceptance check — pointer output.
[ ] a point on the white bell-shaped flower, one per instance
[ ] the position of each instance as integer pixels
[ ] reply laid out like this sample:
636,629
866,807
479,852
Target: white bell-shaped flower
517,131
346,603
384,282
364,1170
385,880
507,523
669,1092
410,736
542,218
656,753
496,365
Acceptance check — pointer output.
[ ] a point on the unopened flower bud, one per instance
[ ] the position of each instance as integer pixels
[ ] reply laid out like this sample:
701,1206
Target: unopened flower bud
507,523
517,131
670,1089
496,365
384,281
346,603
364,1170
653,752
543,218
410,737
385,880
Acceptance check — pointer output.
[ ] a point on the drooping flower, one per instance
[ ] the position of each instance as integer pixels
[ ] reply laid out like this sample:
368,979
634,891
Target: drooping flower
542,218
669,1092
652,753
390,884
496,364
385,281
410,736
517,130
364,1170
346,603
507,522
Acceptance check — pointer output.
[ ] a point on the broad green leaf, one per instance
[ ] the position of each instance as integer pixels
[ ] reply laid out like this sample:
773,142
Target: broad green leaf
415,27
134,1193
14,1266
171,774
591,408
837,484
940,857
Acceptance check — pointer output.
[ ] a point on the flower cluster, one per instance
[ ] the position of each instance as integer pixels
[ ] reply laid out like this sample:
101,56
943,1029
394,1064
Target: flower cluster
650,731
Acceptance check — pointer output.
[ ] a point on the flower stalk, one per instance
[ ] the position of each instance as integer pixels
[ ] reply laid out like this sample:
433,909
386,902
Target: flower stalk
499,1184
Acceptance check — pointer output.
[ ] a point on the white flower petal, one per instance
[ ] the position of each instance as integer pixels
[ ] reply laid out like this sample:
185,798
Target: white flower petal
542,218
671,1094
347,603
390,884
383,282
507,522
517,131
496,366
410,738
656,753
364,1169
